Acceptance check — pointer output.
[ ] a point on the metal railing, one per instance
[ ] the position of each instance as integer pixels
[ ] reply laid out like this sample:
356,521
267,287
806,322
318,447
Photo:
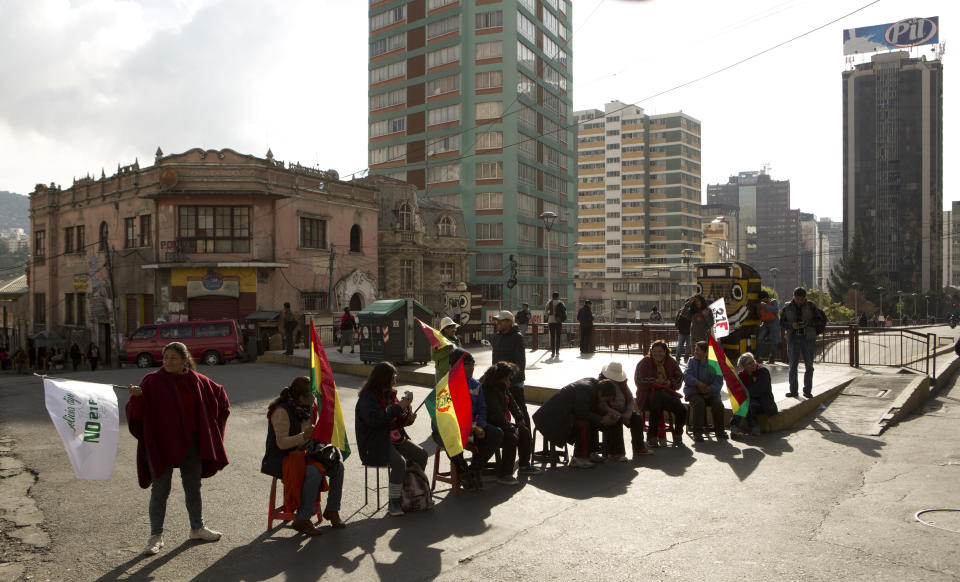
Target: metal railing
878,346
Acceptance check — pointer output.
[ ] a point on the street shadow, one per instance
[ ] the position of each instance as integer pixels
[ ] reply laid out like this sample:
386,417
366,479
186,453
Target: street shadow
150,564
603,480
583,356
673,461
833,433
284,553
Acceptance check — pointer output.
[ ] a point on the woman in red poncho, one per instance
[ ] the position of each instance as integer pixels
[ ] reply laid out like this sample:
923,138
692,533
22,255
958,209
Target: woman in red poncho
178,417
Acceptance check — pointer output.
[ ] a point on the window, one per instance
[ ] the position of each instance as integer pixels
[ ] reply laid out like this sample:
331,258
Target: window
528,147
214,229
489,80
68,308
491,19
145,332
443,115
404,217
526,27
406,275
387,72
81,243
394,153
489,140
490,201
490,231
387,18
443,85
213,330
490,262
388,126
356,238
447,226
81,308
527,116
530,5
389,99
446,271
176,331
526,175
489,171
527,234
450,54
389,44
527,205
527,87
313,300
489,50
445,26
434,4
40,244
313,233
445,173
491,291
130,231
450,143
68,240
40,309
526,57
489,110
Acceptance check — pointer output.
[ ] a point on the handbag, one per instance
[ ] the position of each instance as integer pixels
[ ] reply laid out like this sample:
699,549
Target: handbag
327,455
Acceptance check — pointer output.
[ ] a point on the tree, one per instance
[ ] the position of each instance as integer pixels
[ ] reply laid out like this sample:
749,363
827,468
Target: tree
834,310
856,267
771,292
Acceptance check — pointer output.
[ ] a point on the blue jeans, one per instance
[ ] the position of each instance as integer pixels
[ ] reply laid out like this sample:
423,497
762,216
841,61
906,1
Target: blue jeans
312,480
683,347
190,470
798,346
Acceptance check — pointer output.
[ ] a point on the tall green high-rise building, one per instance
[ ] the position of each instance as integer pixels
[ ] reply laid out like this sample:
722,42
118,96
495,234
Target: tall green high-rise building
471,102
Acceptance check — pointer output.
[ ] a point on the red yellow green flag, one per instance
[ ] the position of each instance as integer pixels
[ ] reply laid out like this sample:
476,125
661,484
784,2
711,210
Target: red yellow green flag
436,339
451,410
718,361
329,426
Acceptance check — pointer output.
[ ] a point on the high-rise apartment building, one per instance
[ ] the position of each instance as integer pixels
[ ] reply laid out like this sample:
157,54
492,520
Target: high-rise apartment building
951,246
638,194
769,237
470,102
830,236
892,167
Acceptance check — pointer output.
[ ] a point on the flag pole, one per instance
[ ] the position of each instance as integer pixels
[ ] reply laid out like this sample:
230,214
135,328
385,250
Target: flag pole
44,377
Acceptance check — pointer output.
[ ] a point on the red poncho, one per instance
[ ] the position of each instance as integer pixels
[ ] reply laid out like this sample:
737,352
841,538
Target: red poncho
164,436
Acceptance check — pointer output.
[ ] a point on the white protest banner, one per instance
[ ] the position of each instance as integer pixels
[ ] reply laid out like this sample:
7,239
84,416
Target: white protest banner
721,325
88,420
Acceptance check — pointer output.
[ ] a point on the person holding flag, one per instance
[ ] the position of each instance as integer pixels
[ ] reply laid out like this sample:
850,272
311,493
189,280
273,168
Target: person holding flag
178,417
380,418
447,340
756,379
291,422
701,388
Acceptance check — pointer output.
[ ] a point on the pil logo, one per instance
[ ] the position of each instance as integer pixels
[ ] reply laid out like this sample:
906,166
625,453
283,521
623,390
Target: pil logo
910,32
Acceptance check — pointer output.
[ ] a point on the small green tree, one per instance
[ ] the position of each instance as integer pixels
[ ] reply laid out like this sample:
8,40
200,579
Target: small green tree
771,292
855,267
834,310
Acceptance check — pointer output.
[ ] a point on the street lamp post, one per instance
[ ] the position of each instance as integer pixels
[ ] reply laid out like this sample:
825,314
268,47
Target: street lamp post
881,290
548,218
900,305
773,271
856,299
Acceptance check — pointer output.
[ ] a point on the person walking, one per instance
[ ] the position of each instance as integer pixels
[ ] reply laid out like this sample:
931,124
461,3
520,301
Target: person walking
802,319
178,417
769,334
556,313
683,331
585,317
289,321
347,327
93,356
523,319
76,356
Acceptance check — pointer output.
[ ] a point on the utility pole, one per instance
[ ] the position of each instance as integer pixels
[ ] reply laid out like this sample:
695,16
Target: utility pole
820,269
114,330
330,282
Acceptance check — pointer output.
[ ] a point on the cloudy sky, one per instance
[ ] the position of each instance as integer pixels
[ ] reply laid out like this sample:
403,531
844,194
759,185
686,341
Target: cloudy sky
91,84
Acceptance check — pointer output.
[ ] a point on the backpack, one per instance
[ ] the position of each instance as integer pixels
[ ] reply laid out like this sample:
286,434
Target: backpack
821,325
561,311
766,315
415,495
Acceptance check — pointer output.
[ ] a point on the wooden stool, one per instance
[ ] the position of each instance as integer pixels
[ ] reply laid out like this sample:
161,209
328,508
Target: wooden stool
452,476
550,453
279,513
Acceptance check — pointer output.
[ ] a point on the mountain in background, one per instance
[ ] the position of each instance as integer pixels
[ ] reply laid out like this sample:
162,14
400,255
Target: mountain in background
14,211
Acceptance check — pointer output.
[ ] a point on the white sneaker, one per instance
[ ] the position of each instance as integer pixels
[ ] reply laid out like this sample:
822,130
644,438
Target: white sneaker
580,463
153,545
206,534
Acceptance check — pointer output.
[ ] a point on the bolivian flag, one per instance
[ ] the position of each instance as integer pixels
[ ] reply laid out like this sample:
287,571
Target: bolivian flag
436,339
718,361
451,410
329,427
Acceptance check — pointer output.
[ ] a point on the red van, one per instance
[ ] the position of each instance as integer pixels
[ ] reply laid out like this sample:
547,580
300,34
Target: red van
209,342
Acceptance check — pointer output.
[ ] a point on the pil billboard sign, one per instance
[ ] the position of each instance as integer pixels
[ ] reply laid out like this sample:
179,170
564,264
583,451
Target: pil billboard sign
901,34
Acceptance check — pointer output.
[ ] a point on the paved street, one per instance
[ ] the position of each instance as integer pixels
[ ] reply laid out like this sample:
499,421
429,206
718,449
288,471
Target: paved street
798,504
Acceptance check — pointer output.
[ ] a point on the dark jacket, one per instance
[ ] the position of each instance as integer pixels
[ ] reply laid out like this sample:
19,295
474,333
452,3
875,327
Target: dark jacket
585,316
508,347
760,390
808,314
683,319
495,397
577,401
523,316
272,463
701,323
373,425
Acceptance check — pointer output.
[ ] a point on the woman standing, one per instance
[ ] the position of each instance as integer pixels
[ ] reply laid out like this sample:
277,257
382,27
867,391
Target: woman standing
379,422
178,417
288,436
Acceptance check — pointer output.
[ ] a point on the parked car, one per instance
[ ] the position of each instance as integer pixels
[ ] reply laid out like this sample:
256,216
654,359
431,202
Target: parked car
209,342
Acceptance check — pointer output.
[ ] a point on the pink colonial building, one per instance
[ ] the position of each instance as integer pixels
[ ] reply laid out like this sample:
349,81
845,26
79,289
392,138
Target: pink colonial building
205,234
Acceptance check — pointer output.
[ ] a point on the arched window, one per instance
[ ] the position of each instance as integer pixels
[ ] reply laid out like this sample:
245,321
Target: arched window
447,226
355,244
404,217
104,234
